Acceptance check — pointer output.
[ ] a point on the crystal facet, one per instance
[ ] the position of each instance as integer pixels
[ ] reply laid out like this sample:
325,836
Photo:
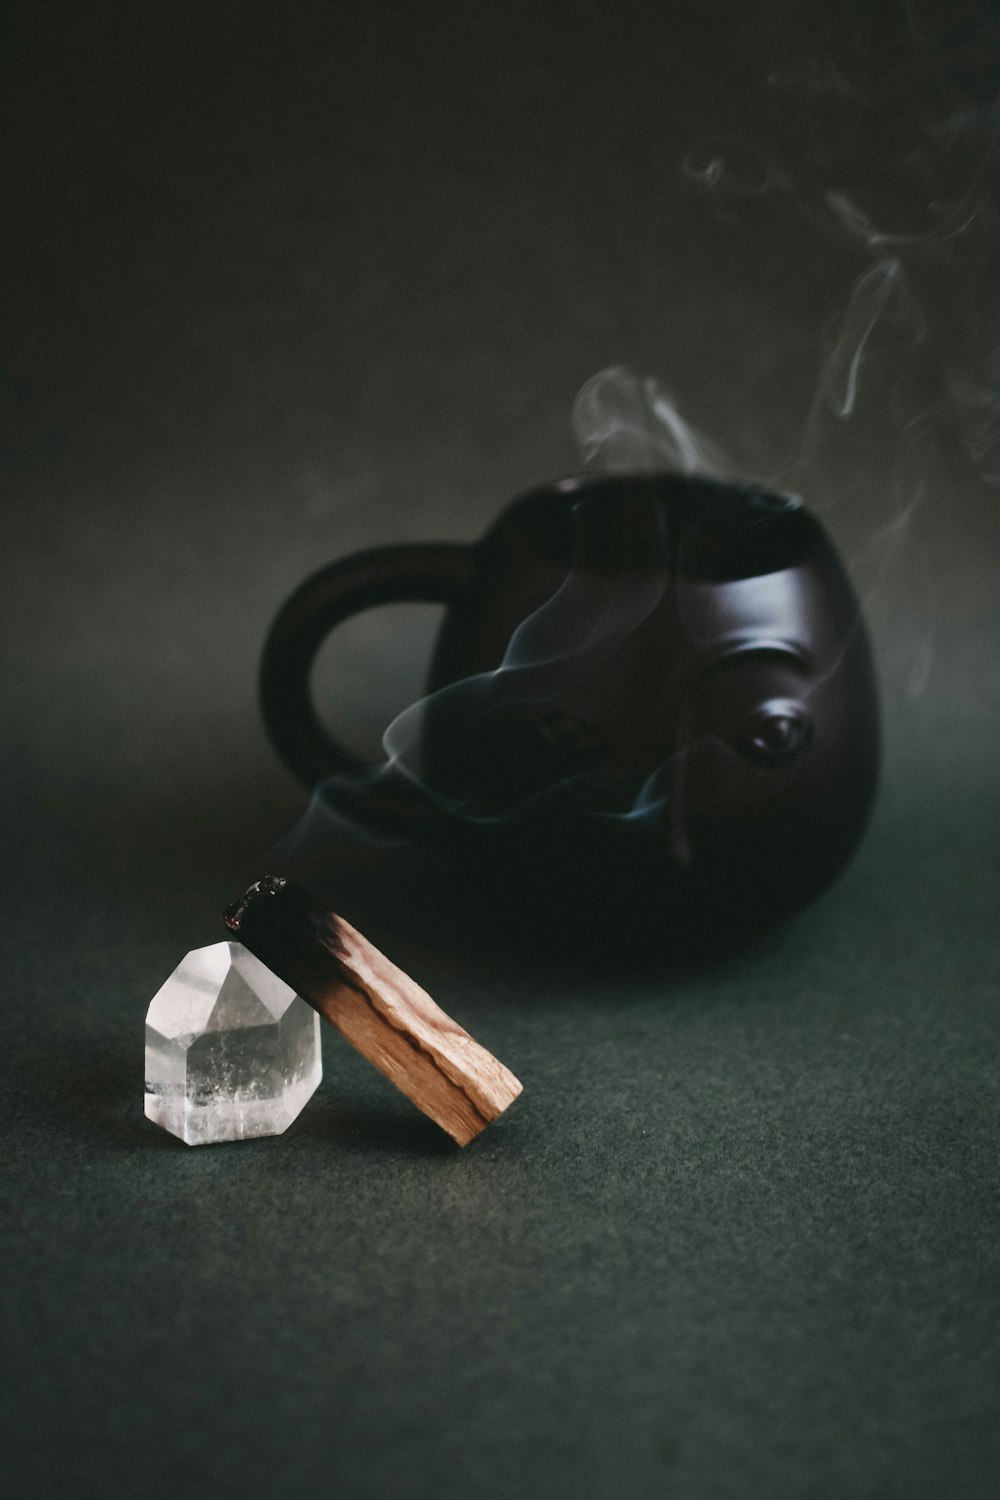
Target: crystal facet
231,1050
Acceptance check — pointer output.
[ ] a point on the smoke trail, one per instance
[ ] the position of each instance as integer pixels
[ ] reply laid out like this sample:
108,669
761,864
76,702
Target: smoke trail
880,290
623,422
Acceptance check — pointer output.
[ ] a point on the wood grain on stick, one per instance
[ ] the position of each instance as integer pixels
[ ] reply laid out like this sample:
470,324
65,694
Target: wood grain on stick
380,1010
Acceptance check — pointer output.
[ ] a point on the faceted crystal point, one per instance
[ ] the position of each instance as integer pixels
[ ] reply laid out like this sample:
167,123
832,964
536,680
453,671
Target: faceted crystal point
231,1050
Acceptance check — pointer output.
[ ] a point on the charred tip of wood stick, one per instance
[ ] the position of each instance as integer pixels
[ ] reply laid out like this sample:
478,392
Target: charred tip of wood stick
268,885
287,927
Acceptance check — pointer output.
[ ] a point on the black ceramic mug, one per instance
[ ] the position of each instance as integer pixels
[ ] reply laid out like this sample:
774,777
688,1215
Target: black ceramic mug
642,681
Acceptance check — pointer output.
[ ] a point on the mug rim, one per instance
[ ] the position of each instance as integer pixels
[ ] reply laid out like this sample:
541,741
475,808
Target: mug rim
698,527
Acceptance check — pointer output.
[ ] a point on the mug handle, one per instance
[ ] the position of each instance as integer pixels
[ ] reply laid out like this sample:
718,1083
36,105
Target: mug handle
416,573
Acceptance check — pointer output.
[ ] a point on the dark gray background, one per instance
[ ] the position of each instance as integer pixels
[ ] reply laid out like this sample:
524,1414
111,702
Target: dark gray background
285,281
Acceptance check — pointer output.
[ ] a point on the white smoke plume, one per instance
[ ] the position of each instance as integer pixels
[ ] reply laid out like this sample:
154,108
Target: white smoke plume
623,421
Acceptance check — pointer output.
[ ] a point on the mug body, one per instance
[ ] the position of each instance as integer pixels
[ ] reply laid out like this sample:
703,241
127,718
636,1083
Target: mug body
665,677
651,694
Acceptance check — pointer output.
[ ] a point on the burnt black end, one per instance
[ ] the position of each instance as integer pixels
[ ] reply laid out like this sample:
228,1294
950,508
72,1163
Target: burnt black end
269,885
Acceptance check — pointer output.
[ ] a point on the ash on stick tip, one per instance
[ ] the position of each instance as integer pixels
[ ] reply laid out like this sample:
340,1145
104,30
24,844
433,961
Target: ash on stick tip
268,885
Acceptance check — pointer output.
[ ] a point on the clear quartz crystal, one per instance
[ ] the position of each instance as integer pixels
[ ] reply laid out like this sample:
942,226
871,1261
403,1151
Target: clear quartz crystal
231,1050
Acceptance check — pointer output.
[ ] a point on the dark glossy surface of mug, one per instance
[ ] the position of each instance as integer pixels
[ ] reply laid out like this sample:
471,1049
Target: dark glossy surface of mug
650,688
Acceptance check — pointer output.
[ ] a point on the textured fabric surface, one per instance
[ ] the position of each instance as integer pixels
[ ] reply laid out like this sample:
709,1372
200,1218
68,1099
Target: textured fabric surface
288,287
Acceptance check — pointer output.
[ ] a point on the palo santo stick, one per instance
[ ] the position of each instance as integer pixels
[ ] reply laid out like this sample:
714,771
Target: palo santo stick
378,1008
